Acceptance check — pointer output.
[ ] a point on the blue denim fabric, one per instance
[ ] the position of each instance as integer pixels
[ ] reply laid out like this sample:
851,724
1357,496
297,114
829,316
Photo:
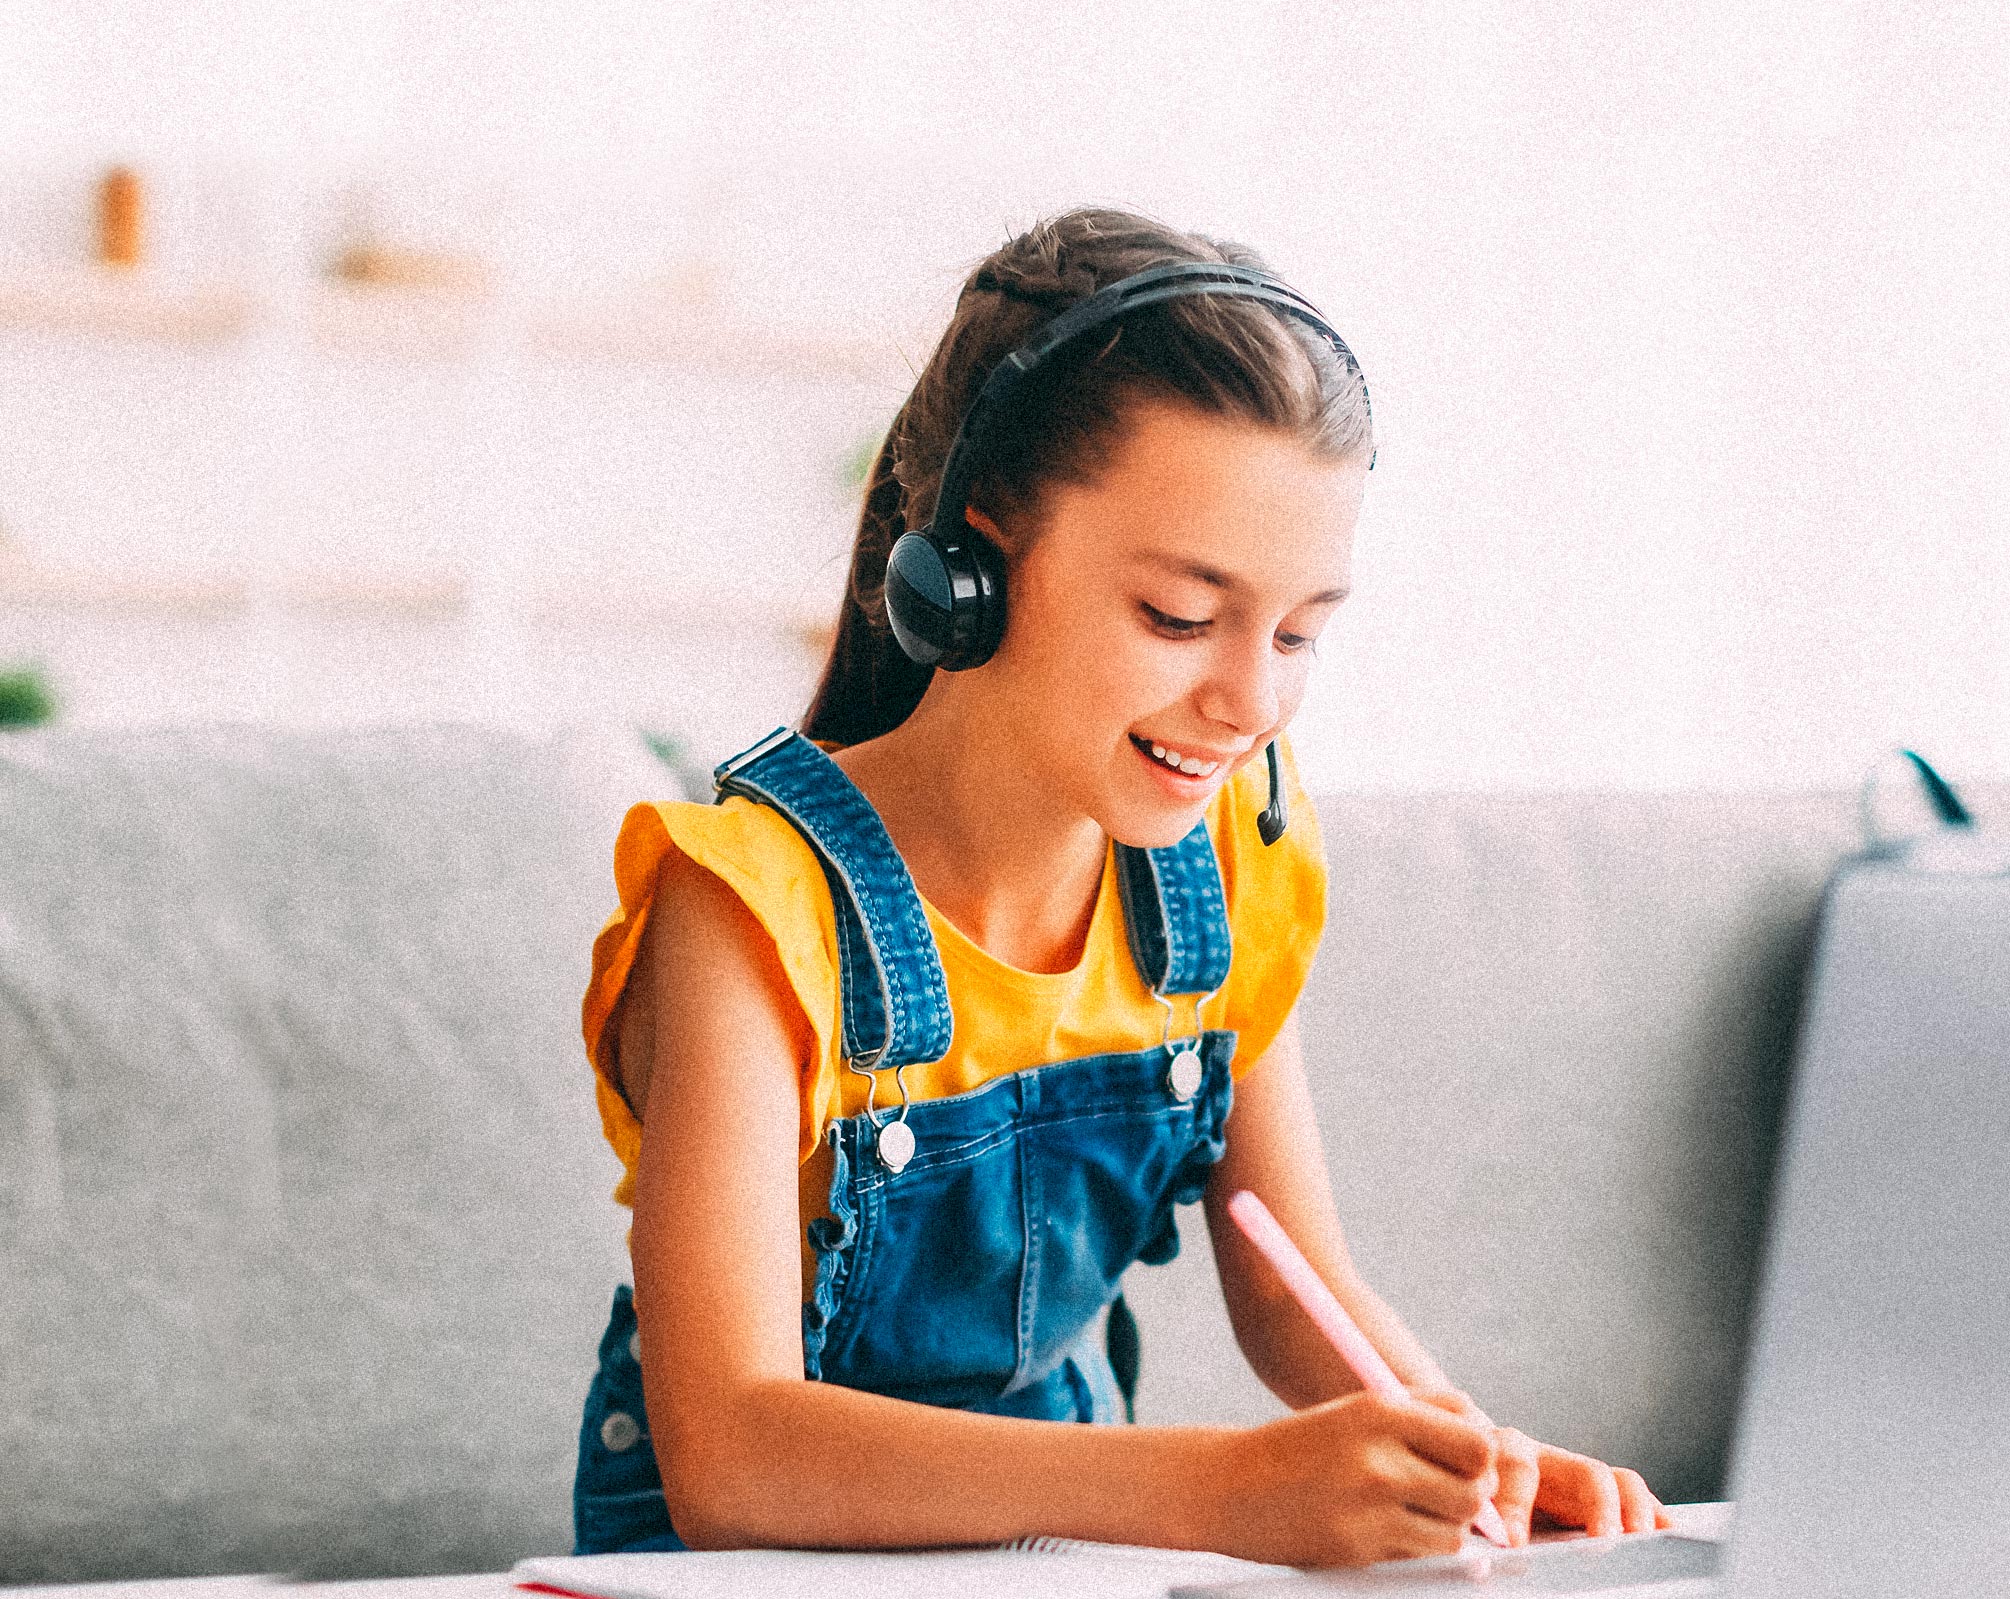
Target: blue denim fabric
976,1276
969,1277
896,1001
617,1492
1176,914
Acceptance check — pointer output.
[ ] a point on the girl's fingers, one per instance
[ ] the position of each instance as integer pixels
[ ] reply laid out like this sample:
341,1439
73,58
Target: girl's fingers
1432,1491
1579,1492
1638,1508
1572,1489
1445,1440
1422,1533
1459,1404
1519,1464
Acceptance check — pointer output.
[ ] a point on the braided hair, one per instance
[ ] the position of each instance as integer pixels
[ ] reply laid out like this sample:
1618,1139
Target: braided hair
1224,356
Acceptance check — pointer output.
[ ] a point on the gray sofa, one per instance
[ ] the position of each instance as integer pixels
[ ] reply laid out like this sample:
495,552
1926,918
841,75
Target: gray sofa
305,1237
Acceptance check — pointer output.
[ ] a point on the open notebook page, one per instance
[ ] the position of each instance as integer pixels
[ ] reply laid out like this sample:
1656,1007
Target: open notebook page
1041,1568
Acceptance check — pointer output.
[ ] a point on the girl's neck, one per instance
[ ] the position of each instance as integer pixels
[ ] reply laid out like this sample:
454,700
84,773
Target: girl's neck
987,843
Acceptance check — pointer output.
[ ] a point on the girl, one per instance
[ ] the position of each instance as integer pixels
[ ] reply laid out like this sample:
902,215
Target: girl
912,1045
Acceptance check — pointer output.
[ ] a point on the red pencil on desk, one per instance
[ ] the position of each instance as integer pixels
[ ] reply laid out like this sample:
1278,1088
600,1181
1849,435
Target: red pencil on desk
1330,1316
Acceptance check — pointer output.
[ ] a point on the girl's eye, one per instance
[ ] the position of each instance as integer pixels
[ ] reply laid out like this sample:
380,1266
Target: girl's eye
1292,643
1172,626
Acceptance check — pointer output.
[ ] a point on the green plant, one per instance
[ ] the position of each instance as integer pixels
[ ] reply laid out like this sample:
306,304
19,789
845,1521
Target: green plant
856,466
25,698
695,781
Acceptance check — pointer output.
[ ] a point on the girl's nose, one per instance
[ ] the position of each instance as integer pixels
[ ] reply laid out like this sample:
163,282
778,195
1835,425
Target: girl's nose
1241,688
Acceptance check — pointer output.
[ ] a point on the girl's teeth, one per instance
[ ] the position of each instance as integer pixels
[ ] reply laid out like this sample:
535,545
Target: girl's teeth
1192,765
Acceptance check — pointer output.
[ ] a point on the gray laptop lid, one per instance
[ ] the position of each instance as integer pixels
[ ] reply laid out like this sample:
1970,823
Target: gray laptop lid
1871,1455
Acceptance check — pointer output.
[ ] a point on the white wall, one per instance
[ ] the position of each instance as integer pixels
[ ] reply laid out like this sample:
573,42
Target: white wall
1685,326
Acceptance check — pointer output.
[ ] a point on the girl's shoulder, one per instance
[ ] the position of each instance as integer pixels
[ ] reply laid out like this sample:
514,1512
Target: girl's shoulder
752,848
758,855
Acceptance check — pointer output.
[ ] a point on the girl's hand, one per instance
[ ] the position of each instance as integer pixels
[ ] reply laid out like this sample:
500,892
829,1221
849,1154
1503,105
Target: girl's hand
1565,1489
1355,1480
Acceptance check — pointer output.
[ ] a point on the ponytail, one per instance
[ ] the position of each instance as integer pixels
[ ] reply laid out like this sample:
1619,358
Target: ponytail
869,685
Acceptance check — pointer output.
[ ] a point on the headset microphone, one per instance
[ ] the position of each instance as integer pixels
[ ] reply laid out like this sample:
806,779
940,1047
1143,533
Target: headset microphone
945,583
1271,819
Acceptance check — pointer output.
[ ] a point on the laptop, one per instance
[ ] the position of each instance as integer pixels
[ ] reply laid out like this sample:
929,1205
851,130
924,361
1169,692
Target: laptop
1872,1455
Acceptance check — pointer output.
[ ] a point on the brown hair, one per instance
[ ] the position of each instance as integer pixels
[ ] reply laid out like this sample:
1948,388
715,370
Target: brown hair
1225,356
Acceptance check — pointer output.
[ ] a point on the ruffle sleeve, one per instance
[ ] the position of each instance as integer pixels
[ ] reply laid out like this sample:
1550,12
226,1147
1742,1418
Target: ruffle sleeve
761,858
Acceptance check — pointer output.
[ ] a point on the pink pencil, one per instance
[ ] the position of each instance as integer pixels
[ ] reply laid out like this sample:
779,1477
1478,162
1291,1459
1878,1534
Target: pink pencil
1330,1316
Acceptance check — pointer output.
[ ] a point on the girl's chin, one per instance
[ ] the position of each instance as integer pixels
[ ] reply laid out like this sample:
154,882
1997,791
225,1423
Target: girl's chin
1151,834
1155,818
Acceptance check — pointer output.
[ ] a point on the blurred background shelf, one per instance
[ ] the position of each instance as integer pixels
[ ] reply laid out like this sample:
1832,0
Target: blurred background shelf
447,322
805,623
207,595
119,647
417,596
125,302
28,589
444,323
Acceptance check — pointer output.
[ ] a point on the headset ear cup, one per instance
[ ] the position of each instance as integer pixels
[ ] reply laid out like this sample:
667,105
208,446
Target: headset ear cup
920,599
945,599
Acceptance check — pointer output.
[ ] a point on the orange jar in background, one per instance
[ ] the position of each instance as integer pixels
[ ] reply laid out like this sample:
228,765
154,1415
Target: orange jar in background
121,218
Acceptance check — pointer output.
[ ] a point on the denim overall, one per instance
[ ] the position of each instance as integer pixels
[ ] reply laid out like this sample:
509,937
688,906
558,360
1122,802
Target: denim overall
975,1242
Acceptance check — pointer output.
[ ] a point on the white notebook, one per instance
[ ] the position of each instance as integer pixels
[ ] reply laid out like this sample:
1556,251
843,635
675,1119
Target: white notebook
1030,1568
1035,1568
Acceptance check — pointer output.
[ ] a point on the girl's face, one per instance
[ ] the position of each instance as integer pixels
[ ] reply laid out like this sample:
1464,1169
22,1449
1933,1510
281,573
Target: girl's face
1170,606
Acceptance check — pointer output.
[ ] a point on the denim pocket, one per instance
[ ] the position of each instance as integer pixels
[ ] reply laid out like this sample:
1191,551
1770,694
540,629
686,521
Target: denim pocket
932,1307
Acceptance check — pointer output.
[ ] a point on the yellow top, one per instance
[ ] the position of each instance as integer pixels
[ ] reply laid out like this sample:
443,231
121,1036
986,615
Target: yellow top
1005,1019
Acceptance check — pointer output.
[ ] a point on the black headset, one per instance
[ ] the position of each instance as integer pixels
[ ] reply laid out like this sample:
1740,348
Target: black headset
945,583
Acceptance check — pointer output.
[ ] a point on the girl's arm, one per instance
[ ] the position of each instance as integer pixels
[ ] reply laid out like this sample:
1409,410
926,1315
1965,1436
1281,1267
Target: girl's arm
752,1453
1274,1148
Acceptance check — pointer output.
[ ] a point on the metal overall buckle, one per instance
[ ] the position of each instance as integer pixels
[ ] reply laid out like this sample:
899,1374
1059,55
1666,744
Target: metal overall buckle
1184,1071
893,1140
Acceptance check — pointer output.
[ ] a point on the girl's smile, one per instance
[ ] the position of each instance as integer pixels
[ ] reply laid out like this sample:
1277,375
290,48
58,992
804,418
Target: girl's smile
1184,763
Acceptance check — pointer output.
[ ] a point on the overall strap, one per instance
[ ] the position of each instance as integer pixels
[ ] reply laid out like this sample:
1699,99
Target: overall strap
1176,914
895,1000
1177,919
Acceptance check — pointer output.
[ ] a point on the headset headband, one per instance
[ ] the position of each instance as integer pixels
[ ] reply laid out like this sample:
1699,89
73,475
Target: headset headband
1174,281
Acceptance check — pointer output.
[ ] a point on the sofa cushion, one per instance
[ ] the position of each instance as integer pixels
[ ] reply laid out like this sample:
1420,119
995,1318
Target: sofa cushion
305,1236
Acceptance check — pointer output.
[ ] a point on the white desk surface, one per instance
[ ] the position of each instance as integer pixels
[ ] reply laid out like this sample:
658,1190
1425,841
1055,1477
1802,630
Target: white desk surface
1707,1520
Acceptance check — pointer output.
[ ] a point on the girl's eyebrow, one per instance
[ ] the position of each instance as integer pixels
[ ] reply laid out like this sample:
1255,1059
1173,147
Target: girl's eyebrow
1214,577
